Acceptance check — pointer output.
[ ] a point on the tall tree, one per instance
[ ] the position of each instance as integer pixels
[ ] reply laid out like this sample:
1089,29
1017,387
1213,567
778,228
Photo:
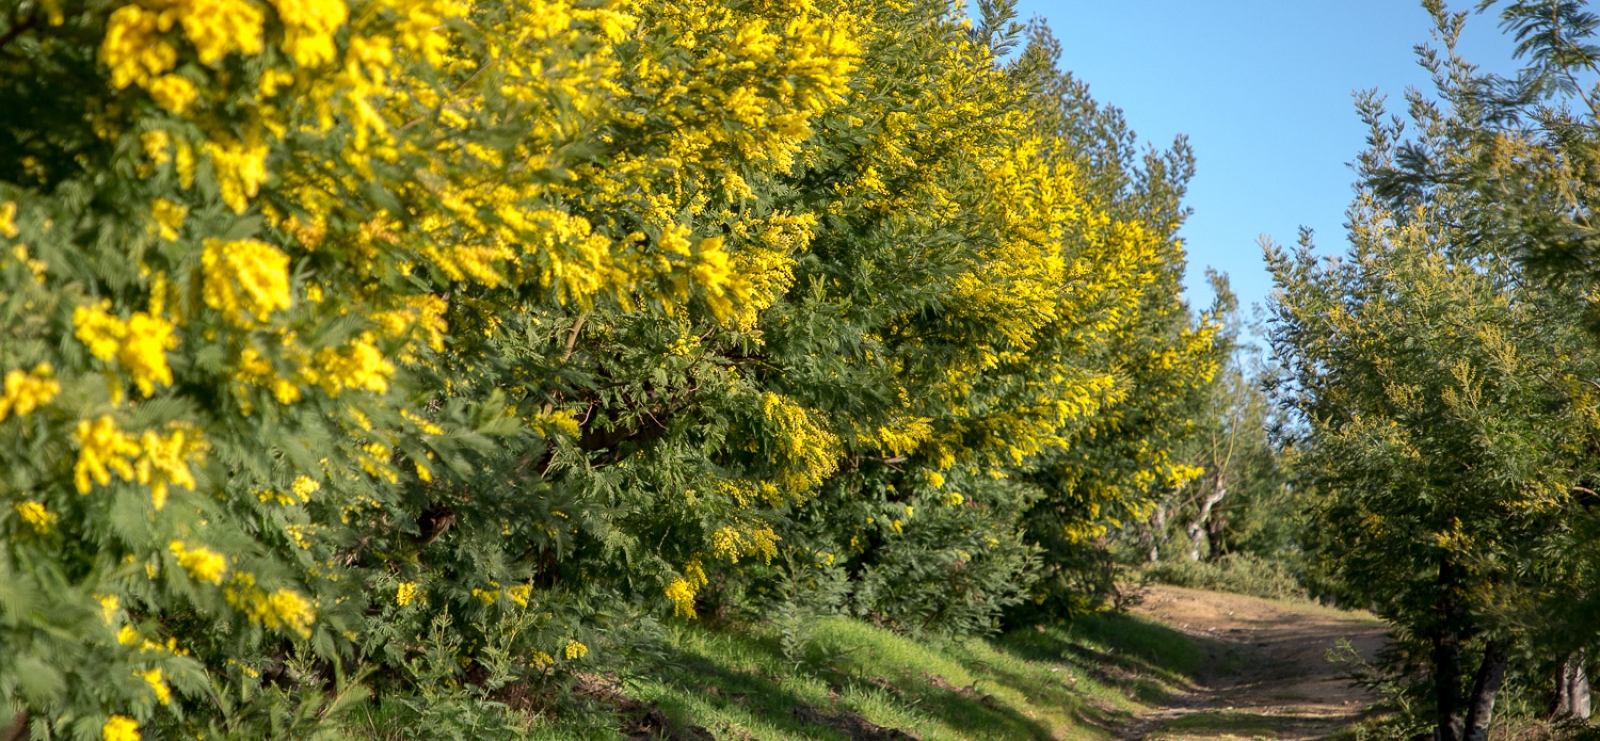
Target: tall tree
1447,411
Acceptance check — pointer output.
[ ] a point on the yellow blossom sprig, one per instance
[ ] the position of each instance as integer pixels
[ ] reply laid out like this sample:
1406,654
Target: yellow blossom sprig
576,650
682,594
246,280
280,609
164,461
103,449
36,516
26,392
120,728
139,344
8,220
360,366
202,564
157,684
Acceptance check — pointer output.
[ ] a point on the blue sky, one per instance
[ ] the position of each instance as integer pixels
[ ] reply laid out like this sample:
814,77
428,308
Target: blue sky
1263,89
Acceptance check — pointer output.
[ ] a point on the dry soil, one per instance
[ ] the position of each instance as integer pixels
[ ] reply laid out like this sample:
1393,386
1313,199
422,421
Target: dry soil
1266,673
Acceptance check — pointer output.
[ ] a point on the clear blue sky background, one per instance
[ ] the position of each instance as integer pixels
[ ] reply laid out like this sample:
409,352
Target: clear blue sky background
1263,89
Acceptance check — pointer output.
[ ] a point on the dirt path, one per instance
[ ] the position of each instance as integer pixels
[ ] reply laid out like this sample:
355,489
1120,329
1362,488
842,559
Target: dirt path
1265,673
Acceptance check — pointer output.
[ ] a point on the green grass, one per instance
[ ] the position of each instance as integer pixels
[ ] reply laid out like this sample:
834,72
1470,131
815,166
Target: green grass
1075,682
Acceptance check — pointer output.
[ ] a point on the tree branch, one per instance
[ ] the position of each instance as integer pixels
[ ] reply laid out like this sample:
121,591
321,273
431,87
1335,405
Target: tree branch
17,29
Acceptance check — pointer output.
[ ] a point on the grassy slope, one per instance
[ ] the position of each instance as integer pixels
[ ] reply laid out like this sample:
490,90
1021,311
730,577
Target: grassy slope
1069,682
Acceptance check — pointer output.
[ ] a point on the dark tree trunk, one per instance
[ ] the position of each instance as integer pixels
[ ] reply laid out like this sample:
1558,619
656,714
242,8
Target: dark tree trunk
1216,534
1572,687
1447,655
1447,685
17,730
1485,687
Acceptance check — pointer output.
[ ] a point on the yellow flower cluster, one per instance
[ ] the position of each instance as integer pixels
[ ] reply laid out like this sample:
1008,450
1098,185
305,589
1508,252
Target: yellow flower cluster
245,279
806,449
359,366
255,370
556,422
902,436
682,594
377,459
682,591
309,28
120,728
240,168
157,146
136,50
304,486
109,605
744,492
219,27
8,220
173,92
576,650
202,563
144,351
164,461
36,515
133,48
406,593
102,450
139,345
282,609
37,267
169,217
518,594
734,543
421,321
157,685
25,392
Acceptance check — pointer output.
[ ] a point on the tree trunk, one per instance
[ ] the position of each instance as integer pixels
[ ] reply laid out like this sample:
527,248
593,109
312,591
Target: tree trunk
1197,528
1447,685
1158,532
1572,687
17,729
1485,687
1216,532
1447,656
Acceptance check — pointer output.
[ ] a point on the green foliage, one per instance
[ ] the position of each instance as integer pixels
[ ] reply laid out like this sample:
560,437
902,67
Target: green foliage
426,347
1440,374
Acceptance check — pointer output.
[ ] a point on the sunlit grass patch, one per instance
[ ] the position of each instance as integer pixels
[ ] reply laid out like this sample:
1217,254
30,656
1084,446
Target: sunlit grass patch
1031,684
